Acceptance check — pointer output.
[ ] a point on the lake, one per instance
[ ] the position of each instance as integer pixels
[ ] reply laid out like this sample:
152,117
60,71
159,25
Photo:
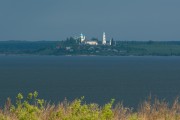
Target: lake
99,79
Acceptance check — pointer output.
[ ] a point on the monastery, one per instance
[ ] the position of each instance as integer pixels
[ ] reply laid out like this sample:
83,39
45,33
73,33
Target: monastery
83,40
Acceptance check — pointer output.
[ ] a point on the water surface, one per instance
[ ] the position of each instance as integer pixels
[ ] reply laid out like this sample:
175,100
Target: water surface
127,79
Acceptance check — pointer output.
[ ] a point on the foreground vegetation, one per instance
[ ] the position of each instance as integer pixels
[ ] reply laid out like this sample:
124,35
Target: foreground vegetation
32,108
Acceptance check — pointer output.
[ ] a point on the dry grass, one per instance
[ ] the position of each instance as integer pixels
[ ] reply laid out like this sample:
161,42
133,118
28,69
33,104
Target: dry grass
36,109
159,110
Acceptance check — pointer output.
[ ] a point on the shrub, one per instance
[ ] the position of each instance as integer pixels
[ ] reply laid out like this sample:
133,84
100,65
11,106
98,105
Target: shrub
33,108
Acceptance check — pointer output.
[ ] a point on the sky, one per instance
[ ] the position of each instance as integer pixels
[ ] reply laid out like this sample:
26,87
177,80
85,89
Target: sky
121,19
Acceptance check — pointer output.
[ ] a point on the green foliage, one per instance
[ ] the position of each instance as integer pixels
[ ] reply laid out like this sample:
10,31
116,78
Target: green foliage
107,112
30,96
133,117
26,111
3,117
79,111
33,108
35,94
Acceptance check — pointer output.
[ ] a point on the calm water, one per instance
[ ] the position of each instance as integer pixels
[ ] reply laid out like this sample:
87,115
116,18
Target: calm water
127,79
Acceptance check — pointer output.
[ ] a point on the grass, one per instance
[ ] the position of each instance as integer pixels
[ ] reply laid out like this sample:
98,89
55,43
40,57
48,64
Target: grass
33,108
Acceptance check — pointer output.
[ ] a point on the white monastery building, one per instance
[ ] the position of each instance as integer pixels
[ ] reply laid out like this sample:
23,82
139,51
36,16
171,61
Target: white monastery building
92,42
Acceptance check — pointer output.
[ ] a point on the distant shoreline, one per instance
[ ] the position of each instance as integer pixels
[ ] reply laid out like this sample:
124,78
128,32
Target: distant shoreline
71,48
83,55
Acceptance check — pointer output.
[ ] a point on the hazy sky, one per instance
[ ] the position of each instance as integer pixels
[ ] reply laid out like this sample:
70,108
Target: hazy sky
121,19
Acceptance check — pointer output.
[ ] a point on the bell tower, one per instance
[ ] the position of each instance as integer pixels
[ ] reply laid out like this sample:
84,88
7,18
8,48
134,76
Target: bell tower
82,38
104,38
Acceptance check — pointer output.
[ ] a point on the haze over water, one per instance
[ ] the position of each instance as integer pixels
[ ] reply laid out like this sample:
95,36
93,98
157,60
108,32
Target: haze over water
99,79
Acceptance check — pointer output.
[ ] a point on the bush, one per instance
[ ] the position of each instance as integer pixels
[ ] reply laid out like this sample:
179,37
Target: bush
33,108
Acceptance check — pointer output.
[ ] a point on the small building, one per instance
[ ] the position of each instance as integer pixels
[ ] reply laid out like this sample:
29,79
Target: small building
91,42
68,48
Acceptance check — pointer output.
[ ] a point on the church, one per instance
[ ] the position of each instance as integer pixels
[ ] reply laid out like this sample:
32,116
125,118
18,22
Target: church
92,42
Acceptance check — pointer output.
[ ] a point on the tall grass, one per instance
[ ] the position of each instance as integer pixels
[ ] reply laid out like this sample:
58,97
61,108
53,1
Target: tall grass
33,108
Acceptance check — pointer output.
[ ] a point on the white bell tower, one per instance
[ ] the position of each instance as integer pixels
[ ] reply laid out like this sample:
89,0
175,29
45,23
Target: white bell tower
82,37
104,38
